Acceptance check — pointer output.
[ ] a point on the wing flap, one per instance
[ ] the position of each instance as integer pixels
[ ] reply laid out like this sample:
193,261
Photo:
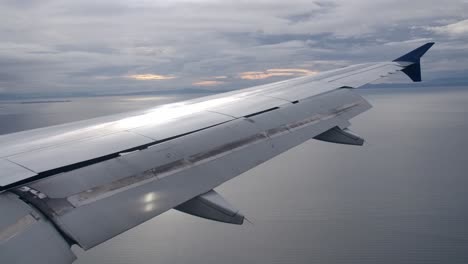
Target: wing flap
26,236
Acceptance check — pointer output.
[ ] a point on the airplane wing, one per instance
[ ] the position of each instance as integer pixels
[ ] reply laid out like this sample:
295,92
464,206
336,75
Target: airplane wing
85,182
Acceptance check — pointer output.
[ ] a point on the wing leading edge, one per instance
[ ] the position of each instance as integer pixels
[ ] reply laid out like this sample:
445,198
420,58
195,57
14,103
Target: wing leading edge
86,182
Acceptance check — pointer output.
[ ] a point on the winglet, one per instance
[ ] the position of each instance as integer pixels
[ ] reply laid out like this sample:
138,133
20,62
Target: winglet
414,70
415,55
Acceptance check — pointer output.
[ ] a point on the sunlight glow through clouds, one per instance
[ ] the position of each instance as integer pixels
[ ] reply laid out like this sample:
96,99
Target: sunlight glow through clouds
257,75
146,77
208,83
455,29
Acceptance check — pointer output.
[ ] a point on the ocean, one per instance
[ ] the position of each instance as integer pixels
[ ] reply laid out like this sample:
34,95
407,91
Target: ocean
400,198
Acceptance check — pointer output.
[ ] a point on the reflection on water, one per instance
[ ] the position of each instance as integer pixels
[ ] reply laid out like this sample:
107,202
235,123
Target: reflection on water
23,115
401,198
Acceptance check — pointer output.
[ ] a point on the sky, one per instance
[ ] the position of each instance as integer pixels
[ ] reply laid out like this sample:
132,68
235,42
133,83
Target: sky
121,46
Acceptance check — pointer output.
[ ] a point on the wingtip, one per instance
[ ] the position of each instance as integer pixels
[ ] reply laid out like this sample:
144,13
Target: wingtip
413,70
429,45
416,54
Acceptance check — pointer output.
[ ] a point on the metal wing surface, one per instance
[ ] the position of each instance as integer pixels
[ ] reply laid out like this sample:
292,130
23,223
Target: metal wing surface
86,182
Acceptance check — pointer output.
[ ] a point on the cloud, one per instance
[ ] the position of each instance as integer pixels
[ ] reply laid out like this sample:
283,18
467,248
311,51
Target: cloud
150,77
409,41
459,28
258,75
100,46
208,83
294,71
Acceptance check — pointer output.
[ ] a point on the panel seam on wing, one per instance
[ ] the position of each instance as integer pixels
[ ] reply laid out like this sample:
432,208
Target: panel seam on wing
107,190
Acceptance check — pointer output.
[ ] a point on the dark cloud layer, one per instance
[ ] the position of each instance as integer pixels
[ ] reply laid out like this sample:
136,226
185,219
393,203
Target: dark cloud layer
96,47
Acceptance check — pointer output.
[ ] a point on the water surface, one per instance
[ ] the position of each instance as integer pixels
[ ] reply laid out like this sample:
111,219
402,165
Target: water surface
401,198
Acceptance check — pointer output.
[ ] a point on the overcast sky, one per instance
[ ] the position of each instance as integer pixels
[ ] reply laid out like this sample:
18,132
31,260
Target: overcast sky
109,46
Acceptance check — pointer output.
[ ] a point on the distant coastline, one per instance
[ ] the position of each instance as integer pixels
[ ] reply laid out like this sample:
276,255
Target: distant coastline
45,102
